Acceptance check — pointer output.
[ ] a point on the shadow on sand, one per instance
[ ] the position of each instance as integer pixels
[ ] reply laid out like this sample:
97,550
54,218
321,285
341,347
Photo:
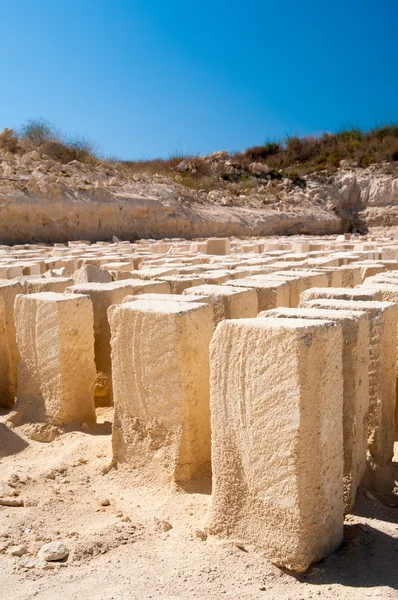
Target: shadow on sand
10,442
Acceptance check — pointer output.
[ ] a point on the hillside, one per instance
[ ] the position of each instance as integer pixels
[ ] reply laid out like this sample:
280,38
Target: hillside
54,191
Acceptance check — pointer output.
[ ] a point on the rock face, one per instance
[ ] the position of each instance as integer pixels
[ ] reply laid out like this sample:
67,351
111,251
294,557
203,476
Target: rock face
75,215
276,402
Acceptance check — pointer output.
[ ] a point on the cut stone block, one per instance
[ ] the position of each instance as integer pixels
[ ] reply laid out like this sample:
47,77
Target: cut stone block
355,327
160,359
179,284
56,371
8,291
270,293
91,273
277,437
7,389
218,246
160,298
34,285
359,293
229,302
103,295
382,370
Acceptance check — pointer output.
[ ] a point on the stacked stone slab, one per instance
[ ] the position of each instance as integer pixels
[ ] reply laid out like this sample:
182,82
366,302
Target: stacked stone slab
382,370
276,404
160,360
355,328
56,371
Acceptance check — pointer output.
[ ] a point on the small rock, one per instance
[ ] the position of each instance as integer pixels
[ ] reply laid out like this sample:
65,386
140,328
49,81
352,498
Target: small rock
53,551
105,502
239,544
202,535
18,550
183,166
259,169
11,502
50,475
34,155
163,525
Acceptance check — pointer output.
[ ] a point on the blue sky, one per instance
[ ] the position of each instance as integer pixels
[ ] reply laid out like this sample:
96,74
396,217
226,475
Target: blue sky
148,78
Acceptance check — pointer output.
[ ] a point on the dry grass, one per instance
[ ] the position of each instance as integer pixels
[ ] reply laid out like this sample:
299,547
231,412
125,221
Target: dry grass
293,158
51,142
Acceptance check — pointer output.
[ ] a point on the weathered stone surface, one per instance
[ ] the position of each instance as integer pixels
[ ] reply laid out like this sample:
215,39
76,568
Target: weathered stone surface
53,551
229,302
9,366
56,370
34,285
355,328
103,295
276,403
160,358
91,274
270,293
382,370
358,293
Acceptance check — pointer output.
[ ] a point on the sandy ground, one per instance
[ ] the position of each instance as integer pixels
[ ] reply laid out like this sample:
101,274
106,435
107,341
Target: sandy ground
143,544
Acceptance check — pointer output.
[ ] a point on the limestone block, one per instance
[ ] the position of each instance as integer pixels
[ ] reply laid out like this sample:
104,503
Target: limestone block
180,283
155,272
34,285
334,275
229,302
91,273
218,246
355,327
7,389
351,275
277,437
160,360
8,291
10,271
56,371
216,277
359,293
103,295
382,370
160,298
270,293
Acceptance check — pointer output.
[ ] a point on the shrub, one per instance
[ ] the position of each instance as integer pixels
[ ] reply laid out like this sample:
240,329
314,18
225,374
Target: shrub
38,132
262,152
52,142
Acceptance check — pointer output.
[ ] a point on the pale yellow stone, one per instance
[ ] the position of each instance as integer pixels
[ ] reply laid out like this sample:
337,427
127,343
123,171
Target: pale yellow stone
277,437
229,302
160,361
56,371
355,327
382,370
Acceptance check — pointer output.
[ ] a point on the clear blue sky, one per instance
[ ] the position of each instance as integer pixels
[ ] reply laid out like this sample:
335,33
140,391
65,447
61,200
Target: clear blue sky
146,78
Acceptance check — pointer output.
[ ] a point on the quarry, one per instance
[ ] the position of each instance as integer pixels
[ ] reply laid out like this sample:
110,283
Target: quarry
207,417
